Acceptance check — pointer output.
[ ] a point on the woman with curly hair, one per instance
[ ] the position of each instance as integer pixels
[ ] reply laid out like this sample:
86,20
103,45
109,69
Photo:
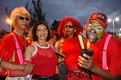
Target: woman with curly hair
42,54
69,45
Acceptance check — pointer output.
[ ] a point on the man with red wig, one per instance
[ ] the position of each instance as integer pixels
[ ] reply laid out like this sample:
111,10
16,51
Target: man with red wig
105,63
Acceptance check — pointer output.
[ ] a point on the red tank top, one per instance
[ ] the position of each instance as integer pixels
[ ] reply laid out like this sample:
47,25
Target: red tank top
45,60
71,48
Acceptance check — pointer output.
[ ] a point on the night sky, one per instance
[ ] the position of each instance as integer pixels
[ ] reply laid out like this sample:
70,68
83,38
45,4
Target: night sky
58,9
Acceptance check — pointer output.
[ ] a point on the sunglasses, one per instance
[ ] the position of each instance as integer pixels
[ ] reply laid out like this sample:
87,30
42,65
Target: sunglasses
69,26
22,18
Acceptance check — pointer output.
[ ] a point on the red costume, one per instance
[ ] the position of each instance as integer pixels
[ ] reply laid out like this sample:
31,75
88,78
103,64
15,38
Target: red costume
8,49
113,55
45,60
71,48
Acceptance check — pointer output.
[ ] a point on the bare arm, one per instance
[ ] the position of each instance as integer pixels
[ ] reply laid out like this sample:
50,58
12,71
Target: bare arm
18,69
27,57
28,66
59,52
89,65
10,66
61,60
29,52
12,69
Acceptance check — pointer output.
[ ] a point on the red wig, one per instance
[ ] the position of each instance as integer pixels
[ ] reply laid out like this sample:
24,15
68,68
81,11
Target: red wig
74,22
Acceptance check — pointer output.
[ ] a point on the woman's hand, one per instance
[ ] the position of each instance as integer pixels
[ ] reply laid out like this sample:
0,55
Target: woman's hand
28,68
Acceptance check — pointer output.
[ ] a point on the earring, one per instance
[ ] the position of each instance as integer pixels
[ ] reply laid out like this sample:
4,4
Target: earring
74,30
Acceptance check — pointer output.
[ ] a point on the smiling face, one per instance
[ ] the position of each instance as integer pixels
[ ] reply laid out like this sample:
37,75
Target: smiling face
68,29
21,22
94,30
42,32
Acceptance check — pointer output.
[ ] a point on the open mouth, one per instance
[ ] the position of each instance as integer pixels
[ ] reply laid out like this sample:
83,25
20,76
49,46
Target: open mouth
67,31
91,36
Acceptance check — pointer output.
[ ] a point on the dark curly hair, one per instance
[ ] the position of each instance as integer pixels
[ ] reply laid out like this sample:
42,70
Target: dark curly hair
74,22
33,31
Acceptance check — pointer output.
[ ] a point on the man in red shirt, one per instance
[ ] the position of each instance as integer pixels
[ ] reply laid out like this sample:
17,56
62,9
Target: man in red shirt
103,65
9,54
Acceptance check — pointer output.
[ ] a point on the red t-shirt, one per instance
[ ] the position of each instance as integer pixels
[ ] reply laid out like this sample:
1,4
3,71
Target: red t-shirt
8,48
45,60
71,48
113,55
